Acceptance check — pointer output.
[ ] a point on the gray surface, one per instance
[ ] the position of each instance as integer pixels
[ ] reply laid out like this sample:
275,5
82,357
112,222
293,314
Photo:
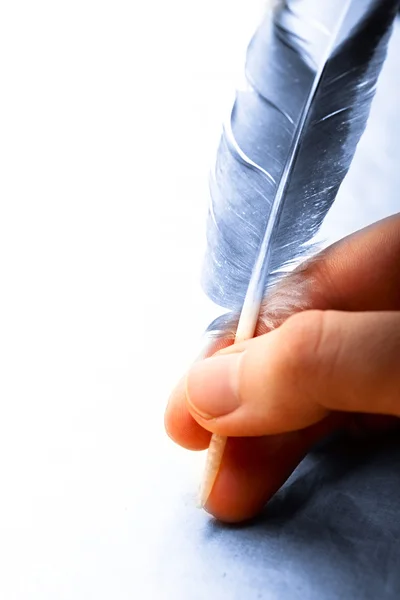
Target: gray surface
331,532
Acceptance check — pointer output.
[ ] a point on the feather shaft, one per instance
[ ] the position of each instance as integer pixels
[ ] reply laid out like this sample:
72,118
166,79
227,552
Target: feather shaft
276,200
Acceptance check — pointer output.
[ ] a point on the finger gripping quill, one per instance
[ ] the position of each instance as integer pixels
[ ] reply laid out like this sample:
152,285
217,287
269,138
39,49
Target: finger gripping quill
311,72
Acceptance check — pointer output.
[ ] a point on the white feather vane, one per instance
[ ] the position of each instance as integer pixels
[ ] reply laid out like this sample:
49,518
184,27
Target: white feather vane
311,73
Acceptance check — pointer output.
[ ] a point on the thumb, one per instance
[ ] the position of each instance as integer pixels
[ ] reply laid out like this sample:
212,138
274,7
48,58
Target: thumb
292,377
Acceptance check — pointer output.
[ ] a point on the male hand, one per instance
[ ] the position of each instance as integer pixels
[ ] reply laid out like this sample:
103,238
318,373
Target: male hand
276,395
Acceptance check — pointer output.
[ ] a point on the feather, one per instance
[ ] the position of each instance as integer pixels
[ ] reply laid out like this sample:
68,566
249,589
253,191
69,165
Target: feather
311,72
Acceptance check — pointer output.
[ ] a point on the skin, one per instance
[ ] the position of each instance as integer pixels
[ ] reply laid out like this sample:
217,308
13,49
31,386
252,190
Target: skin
336,364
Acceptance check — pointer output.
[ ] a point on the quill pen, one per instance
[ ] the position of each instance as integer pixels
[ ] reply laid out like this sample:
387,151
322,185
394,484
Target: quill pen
311,73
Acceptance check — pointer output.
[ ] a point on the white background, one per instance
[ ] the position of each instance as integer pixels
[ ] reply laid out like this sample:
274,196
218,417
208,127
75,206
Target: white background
110,115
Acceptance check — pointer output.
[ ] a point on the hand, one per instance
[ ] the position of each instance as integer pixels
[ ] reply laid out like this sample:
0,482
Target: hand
279,393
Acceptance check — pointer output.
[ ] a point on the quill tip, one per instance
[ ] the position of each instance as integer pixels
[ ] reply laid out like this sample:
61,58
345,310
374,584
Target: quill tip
213,463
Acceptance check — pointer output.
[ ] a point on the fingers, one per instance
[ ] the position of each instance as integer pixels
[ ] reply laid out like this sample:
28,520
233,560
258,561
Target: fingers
181,426
253,469
293,377
361,272
179,423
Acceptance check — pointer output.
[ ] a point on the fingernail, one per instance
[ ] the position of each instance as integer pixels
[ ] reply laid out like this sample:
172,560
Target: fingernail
212,386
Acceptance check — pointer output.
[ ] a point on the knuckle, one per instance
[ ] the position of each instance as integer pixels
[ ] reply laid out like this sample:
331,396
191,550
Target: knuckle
304,331
297,381
311,346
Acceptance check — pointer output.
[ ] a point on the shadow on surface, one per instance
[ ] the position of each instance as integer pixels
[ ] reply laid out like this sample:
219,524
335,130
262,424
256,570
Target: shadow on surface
333,530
